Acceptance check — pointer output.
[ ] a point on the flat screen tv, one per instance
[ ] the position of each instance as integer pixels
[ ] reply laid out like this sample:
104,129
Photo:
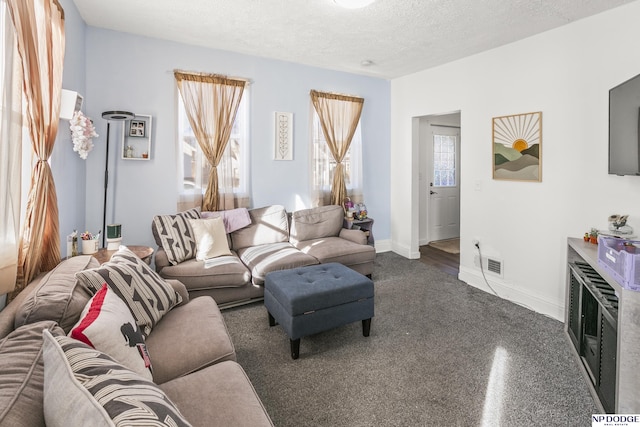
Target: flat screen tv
624,115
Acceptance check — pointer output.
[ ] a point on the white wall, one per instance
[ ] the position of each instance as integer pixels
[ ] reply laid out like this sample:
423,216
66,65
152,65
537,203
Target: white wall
127,72
565,73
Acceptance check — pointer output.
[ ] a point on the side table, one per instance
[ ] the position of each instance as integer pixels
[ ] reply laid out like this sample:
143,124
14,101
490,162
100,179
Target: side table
366,225
143,252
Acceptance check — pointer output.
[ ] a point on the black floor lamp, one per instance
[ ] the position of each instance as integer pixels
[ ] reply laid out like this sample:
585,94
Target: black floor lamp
118,116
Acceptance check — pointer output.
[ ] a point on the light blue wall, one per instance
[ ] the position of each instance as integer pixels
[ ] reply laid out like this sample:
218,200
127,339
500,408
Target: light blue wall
133,73
67,167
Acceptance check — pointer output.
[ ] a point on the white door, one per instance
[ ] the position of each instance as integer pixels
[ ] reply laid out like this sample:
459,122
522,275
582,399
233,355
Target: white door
444,184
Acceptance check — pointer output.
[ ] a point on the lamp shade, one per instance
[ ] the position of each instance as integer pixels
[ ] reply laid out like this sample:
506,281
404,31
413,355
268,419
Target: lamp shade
118,115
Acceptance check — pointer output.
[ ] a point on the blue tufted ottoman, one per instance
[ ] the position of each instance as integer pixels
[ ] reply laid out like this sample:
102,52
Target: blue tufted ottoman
312,299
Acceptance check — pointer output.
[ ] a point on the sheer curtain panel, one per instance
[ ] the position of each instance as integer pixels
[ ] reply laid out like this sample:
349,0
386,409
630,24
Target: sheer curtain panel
211,104
10,152
339,117
39,29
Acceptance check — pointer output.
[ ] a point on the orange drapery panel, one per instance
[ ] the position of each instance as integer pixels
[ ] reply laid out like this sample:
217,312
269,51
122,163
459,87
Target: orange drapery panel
211,102
39,26
339,116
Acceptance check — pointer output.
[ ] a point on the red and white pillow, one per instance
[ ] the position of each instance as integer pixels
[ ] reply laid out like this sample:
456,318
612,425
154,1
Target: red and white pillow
106,324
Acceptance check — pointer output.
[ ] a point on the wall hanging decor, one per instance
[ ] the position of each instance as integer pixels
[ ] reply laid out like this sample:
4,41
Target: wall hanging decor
82,132
283,144
517,147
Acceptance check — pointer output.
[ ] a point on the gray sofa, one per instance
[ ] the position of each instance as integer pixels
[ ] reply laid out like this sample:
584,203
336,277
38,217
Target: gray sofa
275,240
194,361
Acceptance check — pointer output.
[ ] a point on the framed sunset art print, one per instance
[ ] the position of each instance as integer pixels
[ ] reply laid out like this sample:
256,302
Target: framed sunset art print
517,147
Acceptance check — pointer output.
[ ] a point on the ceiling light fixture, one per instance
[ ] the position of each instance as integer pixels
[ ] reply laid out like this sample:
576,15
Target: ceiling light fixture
353,4
366,63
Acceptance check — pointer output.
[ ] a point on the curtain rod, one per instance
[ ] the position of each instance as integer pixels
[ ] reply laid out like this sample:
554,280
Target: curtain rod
199,73
353,98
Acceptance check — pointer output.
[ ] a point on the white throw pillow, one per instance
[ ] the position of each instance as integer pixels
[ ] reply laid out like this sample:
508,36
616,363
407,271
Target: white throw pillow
211,238
106,324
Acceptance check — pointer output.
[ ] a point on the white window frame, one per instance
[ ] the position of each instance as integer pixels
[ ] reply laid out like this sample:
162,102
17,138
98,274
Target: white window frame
444,160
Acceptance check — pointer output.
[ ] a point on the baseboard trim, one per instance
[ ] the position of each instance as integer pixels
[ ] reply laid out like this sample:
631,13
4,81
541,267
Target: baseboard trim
405,251
473,277
383,246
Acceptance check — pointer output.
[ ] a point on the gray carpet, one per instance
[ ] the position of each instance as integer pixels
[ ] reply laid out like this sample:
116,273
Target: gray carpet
434,344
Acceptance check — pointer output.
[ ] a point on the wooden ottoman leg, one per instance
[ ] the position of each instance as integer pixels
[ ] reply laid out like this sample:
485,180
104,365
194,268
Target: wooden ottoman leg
366,327
272,321
295,348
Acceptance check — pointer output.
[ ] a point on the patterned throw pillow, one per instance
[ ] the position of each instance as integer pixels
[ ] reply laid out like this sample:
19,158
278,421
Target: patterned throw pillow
148,296
176,235
106,324
85,387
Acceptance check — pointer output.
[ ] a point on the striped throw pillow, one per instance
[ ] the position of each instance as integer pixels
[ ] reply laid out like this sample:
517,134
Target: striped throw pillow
148,296
83,386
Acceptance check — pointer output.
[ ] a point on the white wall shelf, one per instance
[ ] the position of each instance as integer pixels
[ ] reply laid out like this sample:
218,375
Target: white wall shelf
137,138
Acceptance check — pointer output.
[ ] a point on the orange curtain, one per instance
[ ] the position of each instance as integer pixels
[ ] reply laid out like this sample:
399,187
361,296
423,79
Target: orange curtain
39,26
339,116
211,102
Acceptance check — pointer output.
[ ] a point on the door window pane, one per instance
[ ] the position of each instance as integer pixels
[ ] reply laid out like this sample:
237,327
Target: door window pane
444,161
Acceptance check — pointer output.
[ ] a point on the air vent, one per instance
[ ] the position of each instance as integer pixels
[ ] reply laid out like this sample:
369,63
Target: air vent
490,265
494,266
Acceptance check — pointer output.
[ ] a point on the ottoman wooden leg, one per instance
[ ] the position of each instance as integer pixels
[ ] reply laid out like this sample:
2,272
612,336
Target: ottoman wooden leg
272,320
366,327
295,348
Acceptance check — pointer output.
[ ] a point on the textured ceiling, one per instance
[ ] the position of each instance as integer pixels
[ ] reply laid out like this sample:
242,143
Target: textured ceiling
399,37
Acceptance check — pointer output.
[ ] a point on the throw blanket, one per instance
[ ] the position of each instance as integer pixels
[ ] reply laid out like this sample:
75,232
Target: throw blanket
234,219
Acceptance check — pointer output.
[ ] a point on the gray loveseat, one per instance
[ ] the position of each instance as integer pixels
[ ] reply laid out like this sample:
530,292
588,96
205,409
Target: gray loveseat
275,240
194,361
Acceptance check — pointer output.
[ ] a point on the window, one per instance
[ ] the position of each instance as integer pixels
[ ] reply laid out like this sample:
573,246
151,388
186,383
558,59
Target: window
194,169
444,161
324,164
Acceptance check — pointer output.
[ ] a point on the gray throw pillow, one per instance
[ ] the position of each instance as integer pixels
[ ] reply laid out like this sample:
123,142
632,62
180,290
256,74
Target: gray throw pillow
22,375
58,296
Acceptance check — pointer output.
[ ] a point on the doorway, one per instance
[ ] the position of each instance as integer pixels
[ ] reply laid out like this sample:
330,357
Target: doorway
439,181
